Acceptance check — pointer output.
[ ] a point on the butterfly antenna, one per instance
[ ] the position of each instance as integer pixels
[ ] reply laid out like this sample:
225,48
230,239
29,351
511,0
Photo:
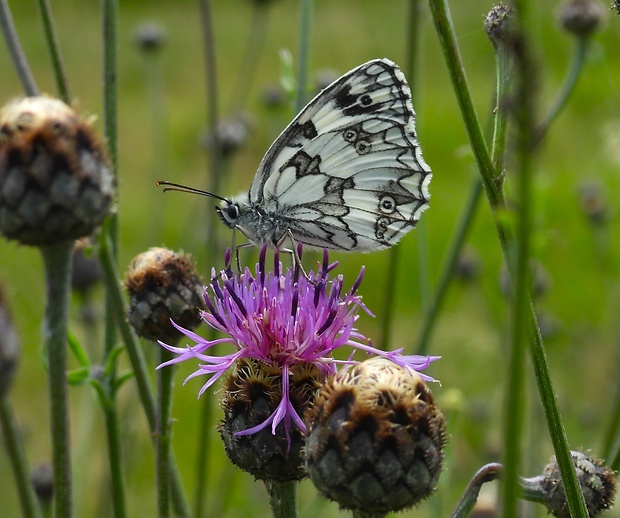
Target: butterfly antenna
171,186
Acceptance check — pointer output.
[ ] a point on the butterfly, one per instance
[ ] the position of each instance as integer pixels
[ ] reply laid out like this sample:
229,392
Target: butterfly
346,174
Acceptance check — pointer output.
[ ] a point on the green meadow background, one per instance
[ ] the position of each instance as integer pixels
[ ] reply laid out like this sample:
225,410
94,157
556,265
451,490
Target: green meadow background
579,303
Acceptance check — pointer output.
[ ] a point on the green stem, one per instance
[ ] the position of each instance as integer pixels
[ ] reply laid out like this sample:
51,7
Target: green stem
494,194
15,50
117,478
469,497
57,259
305,19
282,498
214,179
54,48
570,82
138,364
503,61
164,392
515,392
17,457
447,272
251,61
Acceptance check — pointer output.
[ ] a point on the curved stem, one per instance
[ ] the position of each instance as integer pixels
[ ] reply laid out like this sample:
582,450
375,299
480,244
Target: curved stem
54,48
15,50
19,463
469,497
570,82
57,259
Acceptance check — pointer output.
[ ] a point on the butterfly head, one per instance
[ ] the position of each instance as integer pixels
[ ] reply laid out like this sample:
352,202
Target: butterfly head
229,212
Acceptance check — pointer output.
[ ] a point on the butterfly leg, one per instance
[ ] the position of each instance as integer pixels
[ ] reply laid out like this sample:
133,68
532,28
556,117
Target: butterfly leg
295,252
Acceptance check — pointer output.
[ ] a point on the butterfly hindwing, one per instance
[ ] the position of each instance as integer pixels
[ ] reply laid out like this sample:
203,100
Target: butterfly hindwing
348,172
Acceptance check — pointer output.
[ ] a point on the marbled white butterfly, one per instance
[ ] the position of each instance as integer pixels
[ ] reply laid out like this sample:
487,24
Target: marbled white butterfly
346,174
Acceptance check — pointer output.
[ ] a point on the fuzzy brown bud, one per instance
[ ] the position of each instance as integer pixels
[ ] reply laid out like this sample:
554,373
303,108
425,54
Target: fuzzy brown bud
251,394
163,285
376,438
55,183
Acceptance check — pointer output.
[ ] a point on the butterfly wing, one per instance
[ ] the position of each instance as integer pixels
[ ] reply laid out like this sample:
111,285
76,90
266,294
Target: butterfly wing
348,172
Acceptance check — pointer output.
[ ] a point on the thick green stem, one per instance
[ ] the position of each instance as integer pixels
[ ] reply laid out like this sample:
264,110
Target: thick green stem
54,48
162,435
57,259
282,498
15,50
443,24
17,457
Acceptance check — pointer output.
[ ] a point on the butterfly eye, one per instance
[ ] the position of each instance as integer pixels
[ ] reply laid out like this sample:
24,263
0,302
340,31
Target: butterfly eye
232,211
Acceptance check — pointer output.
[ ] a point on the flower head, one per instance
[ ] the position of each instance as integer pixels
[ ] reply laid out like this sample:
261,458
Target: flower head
282,319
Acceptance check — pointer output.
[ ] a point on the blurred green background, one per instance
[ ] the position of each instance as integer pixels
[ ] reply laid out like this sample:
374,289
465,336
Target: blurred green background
580,300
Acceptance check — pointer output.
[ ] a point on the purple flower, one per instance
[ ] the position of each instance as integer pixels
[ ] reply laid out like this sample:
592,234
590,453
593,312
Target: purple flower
282,319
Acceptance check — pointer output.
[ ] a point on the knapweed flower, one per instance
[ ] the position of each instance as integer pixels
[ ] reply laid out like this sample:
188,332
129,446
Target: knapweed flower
286,321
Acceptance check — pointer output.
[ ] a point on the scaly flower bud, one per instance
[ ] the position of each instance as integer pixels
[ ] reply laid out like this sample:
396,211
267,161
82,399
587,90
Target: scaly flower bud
55,183
597,481
376,438
163,285
252,393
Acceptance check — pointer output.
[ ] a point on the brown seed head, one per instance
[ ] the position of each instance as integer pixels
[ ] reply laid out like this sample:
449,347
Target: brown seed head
375,439
55,183
163,285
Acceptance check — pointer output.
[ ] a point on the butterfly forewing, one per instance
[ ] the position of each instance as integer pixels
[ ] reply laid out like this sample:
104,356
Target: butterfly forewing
348,172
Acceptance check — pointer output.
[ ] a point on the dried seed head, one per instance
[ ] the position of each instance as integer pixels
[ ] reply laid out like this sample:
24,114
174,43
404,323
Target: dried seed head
252,393
55,183
9,348
163,285
375,439
581,17
597,481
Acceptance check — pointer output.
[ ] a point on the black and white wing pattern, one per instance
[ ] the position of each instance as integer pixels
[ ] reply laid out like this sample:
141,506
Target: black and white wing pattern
348,172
